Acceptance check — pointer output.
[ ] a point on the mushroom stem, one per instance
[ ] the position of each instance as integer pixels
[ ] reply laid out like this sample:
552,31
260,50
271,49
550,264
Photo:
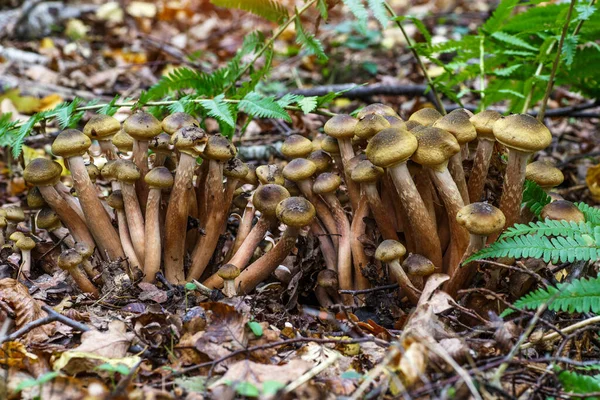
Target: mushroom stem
347,153
458,174
135,220
403,280
140,158
83,282
108,149
25,269
201,192
244,228
323,212
380,214
359,256
152,235
72,201
327,249
464,274
512,191
126,240
481,164
323,298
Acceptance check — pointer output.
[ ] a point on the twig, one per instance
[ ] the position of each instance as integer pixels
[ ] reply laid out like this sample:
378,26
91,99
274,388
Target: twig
568,329
533,274
370,290
353,91
374,373
311,373
65,320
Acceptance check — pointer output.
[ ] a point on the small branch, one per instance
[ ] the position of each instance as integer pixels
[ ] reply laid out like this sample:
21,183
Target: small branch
352,91
568,329
370,290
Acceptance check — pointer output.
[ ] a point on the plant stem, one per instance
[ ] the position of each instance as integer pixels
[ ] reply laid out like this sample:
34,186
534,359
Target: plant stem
482,70
436,95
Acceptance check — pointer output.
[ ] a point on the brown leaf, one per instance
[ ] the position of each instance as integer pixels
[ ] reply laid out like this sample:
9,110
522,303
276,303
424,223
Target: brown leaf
225,330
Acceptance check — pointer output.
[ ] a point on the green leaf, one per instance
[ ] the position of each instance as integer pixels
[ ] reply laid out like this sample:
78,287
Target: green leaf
379,12
507,71
568,50
109,108
289,98
28,383
263,107
196,384
513,40
190,286
500,15
581,384
584,12
270,388
323,9
308,104
247,389
271,10
219,110
592,214
308,41
534,197
360,12
256,328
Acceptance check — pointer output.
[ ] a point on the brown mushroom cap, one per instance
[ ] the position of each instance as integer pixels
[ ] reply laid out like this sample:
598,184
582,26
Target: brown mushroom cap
251,177
93,171
391,146
142,126
295,211
484,123
84,249
123,141
35,200
69,259
544,173
101,127
219,148
321,159
326,183
270,173
328,278
457,123
390,250
228,272
161,144
108,170
341,126
296,146
481,219
418,265
562,210
330,145
115,200
366,172
172,123
14,214
235,169
522,132
190,140
159,178
425,116
370,125
25,244
267,197
47,219
376,108
396,122
127,172
71,143
299,169
411,125
42,172
436,146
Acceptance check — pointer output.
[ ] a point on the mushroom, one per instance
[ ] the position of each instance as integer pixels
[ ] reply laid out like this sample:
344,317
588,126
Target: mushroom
545,174
71,144
128,175
390,149
270,173
25,244
190,142
123,142
235,170
115,200
418,268
328,281
296,146
48,219
369,125
562,210
44,174
86,253
523,135
14,215
390,252
457,123
481,220
295,212
425,116
228,273
321,159
35,201
378,109
157,179
161,147
331,147
69,261
483,123
174,122
102,128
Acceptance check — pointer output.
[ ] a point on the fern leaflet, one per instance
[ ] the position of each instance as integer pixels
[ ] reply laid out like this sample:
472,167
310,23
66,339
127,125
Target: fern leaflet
271,10
550,228
500,16
577,383
534,197
592,214
262,107
220,110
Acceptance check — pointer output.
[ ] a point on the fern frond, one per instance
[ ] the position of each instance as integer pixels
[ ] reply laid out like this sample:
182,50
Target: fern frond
271,10
255,105
536,19
289,98
309,41
379,12
550,228
500,16
512,40
22,132
308,104
357,8
582,384
534,197
220,110
592,214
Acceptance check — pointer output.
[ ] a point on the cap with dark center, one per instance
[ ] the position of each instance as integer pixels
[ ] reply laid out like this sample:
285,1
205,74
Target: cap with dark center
396,122
159,178
370,125
484,123
522,132
391,146
251,177
457,123
411,125
47,219
390,250
295,211
481,219
93,171
69,259
330,145
365,171
376,108
142,126
190,140
14,214
101,127
127,172
296,146
270,173
321,159
228,272
219,148
425,116
328,278
544,173
71,143
299,169
341,126
42,172
160,144
326,183
235,169
115,200
562,210
267,197
35,200
436,146
83,249
418,265
172,123
123,141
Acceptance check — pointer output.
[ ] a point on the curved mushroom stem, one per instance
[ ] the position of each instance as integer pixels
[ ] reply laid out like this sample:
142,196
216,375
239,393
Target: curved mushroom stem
403,280
135,219
83,282
323,212
380,214
324,300
458,174
244,228
72,201
109,149
359,257
481,164
152,235
463,275
347,153
25,269
140,158
62,233
327,249
126,240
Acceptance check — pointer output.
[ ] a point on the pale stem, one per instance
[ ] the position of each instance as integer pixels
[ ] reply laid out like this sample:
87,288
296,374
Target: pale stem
71,200
140,158
126,240
347,153
323,212
84,283
458,174
152,236
360,259
481,164
463,275
135,219
381,215
244,227
404,282
25,270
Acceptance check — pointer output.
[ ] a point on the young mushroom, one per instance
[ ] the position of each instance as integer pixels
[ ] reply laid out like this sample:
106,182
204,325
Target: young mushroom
390,252
228,273
418,268
161,147
25,244
86,253
128,175
562,210
69,261
425,116
545,174
14,216
483,123
102,128
321,159
378,109
123,142
48,219
296,146
328,281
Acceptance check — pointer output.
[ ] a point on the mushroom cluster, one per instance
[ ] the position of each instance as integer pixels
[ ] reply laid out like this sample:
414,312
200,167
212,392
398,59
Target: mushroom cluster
167,197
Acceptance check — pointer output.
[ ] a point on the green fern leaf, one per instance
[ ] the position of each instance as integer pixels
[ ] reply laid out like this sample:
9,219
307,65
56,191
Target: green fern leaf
584,12
534,197
581,384
308,104
550,228
379,12
220,110
309,41
512,40
263,107
289,98
271,10
568,50
23,131
66,115
592,214
537,19
323,9
109,108
500,16
507,71
360,12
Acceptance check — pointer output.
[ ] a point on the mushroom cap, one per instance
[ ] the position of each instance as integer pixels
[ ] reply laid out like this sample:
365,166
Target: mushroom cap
269,173
390,250
321,159
366,172
71,143
376,108
341,126
457,123
42,172
101,127
93,171
296,146
292,187
115,200
484,123
330,145
390,147
47,219
35,200
190,140
299,169
328,278
481,219
235,169
25,244
172,123
522,132
123,141
395,121
562,210
228,272
69,259
418,265
142,126
2,222
84,249
544,173
436,146
267,197
159,178
127,171
425,116
219,148
295,211
108,170
161,144
326,183
16,236
410,125
14,214
251,178
370,125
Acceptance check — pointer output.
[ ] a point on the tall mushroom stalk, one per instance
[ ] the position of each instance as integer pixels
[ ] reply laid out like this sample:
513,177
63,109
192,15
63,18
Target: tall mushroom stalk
483,123
115,200
190,142
128,175
157,179
359,257
390,149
